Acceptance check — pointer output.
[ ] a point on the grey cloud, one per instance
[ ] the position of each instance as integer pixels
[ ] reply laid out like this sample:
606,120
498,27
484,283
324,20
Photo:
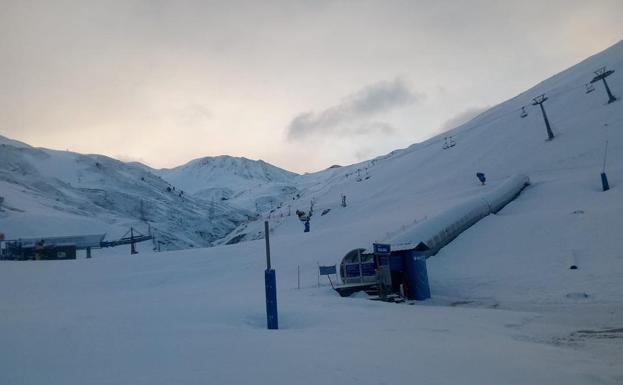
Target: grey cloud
368,128
193,114
462,118
364,153
346,117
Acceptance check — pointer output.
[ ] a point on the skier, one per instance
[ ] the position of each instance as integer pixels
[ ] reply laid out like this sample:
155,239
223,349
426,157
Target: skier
481,177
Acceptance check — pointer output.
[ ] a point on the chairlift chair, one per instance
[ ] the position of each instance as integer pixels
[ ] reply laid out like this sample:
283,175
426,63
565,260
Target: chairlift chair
589,88
451,143
524,113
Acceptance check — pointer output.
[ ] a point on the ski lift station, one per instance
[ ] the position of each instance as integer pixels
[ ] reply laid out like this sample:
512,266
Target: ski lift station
397,265
58,248
49,248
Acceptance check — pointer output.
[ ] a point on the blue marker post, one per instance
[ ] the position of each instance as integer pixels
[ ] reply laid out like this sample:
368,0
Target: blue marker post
270,282
605,186
481,177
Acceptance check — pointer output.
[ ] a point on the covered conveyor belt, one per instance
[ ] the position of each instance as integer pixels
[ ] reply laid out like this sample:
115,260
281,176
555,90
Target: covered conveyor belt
438,231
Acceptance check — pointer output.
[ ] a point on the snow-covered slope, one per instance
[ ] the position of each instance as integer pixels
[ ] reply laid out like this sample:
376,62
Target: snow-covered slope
391,192
49,193
506,309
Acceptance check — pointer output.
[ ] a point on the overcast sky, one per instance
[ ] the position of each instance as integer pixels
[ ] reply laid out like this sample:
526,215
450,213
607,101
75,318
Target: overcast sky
300,84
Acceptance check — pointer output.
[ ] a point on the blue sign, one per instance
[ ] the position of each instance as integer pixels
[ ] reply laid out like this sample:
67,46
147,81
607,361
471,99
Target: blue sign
381,248
326,270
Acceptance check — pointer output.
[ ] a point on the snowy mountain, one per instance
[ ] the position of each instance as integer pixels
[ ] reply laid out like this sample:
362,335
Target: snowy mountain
202,173
252,185
49,193
506,308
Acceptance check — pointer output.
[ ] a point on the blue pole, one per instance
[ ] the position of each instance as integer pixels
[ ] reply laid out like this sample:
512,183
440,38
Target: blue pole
272,318
604,179
270,283
605,186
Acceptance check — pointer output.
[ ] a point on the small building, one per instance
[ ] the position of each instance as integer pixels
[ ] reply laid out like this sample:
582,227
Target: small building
399,270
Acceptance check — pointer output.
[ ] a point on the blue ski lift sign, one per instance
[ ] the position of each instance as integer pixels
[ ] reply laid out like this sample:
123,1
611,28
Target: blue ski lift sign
381,248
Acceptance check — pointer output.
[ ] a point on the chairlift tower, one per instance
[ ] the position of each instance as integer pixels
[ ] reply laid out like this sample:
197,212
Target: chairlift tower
602,74
539,100
132,242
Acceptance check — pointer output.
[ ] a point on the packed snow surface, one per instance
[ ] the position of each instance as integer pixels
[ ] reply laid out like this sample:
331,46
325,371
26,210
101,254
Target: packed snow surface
506,308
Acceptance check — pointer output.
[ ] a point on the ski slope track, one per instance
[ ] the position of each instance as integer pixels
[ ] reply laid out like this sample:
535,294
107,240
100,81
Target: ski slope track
505,307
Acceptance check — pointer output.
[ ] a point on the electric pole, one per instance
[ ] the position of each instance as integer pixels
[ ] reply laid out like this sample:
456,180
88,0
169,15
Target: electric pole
540,100
602,74
132,243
